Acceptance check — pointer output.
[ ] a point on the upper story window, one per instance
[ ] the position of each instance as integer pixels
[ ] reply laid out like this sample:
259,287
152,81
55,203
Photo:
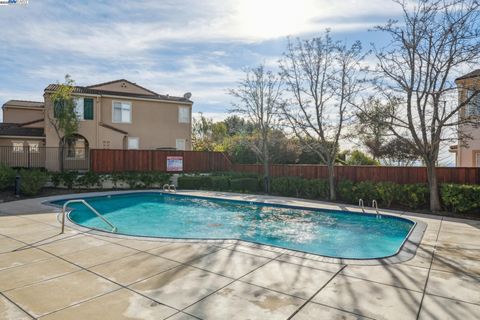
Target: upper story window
83,107
473,107
184,114
122,112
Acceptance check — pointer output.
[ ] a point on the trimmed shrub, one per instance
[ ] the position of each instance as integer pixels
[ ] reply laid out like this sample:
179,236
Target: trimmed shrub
220,183
346,191
69,178
315,189
413,195
245,185
32,181
366,190
194,182
89,179
7,177
460,198
387,193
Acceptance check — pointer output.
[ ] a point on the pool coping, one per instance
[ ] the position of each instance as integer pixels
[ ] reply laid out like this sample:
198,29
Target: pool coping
406,251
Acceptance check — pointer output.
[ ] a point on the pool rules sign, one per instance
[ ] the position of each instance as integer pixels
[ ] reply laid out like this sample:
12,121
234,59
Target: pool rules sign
174,163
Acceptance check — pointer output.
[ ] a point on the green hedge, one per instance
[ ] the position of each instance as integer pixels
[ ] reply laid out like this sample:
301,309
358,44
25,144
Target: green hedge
224,181
7,177
460,198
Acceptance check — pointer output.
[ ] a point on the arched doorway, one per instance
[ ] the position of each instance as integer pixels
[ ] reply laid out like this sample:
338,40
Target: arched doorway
74,153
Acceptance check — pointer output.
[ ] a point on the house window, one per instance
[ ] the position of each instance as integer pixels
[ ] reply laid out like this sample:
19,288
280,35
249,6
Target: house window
473,107
33,147
183,114
477,159
122,112
180,144
79,107
17,146
133,143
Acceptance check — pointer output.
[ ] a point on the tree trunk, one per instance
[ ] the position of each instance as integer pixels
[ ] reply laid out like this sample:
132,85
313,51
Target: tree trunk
331,181
266,168
433,187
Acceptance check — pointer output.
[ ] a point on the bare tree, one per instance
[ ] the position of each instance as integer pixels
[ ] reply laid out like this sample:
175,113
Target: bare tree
434,41
323,77
259,97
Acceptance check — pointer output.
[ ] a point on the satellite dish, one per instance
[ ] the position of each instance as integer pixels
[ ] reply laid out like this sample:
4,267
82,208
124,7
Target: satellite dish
187,95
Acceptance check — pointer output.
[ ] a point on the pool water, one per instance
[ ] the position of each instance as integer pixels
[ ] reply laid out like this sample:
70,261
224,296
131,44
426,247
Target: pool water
331,233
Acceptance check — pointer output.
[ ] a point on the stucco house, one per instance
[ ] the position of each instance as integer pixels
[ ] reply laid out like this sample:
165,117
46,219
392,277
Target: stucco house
467,151
113,115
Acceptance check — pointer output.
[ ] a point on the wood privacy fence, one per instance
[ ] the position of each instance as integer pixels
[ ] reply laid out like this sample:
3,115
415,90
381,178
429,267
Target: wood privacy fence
104,161
402,175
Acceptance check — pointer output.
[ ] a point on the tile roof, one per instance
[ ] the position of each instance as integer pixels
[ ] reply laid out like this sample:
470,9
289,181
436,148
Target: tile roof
14,129
88,90
122,80
24,103
473,74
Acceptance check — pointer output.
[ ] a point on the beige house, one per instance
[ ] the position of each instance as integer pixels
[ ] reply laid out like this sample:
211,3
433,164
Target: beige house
467,151
113,115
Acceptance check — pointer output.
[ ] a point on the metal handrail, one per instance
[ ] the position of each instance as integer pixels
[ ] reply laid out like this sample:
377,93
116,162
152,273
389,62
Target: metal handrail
114,229
375,206
168,188
360,204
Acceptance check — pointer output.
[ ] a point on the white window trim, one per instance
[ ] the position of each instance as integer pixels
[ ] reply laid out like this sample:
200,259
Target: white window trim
33,146
80,111
131,110
16,149
188,116
184,144
128,143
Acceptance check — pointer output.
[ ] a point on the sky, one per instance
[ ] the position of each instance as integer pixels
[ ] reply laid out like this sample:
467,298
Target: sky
169,46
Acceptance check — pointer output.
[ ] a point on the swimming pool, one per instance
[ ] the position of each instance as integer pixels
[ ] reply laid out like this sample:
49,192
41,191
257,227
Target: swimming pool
339,234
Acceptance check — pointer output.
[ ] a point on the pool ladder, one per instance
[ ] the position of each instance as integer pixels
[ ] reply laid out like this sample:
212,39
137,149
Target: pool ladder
64,210
374,205
169,188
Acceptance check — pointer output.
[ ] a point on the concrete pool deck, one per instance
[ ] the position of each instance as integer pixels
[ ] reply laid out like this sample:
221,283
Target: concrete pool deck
84,274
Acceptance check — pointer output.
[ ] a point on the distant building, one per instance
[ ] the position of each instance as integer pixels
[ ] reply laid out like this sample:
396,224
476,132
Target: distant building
467,151
113,115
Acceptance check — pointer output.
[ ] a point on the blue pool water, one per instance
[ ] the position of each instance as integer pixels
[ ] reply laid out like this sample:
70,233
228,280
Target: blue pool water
324,232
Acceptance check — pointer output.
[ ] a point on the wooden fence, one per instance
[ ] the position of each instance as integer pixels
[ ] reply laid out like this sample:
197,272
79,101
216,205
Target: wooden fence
402,175
103,160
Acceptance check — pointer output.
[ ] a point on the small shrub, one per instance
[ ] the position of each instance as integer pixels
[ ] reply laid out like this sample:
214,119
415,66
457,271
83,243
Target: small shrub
346,191
7,177
250,185
89,179
315,189
413,195
32,181
132,179
56,179
220,183
365,190
387,193
69,178
460,198
195,182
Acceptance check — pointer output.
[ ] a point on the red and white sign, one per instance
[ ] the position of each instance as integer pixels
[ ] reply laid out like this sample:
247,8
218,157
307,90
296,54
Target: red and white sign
174,163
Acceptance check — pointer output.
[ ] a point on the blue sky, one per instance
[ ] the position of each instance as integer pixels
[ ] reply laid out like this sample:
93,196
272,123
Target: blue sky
168,46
